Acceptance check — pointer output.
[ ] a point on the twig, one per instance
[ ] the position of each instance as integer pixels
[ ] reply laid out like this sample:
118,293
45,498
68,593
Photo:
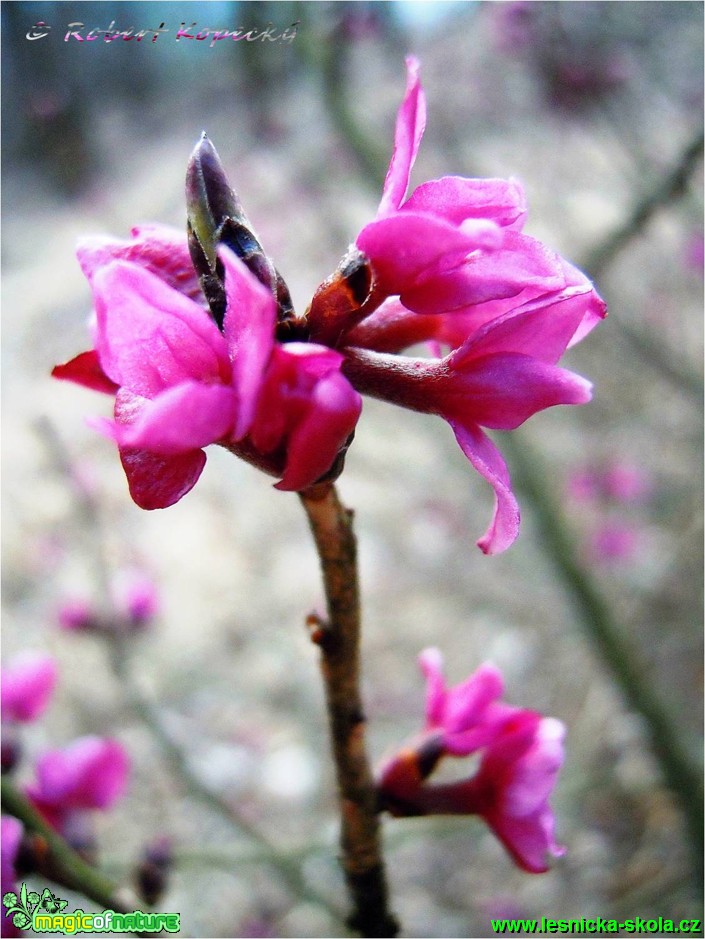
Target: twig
339,641
680,771
670,187
119,647
287,867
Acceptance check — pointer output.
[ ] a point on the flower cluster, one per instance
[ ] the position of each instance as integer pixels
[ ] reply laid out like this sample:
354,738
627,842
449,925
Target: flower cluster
181,383
197,339
133,605
521,755
611,496
90,773
28,683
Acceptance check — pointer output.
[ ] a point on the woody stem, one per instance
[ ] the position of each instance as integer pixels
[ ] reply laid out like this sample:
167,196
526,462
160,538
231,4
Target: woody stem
339,642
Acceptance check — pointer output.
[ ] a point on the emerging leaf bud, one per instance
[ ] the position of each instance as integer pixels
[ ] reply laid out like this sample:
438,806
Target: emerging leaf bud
215,217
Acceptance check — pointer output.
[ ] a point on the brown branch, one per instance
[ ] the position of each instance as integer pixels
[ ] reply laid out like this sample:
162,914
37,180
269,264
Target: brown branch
339,641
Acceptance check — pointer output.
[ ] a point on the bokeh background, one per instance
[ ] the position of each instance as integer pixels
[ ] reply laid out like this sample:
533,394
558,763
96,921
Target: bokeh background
597,108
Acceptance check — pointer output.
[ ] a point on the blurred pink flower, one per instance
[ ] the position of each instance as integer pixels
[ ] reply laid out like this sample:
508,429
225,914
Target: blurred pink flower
181,384
136,598
617,481
90,773
28,683
11,835
614,541
521,755
514,25
694,253
76,614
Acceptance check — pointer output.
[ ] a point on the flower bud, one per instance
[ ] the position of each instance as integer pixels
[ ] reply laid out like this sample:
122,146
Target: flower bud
215,217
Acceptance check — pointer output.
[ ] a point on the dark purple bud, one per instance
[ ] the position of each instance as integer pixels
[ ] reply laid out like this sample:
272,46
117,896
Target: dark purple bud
151,876
216,217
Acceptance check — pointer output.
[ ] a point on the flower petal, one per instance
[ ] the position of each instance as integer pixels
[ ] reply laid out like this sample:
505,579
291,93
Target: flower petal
488,462
85,369
28,683
90,773
520,263
157,248
411,121
248,326
150,336
410,247
542,329
455,198
501,391
431,663
467,701
535,773
183,418
316,441
528,839
156,482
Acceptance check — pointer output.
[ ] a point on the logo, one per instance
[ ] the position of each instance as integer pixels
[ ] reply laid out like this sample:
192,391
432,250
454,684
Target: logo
45,914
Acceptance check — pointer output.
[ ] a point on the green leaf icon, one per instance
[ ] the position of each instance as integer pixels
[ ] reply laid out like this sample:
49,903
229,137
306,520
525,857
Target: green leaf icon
21,920
50,903
9,900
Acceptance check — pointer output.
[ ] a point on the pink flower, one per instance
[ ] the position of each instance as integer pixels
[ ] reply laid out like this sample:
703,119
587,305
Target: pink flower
456,244
77,614
504,372
521,755
28,683
90,773
11,832
136,598
613,541
182,384
450,266
618,481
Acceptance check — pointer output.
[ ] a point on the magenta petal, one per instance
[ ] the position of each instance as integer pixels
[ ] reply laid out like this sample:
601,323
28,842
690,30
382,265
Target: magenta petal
535,773
156,482
407,246
501,391
595,306
467,701
488,462
411,121
521,264
249,323
90,773
542,329
186,417
316,441
455,198
85,369
150,336
28,683
157,248
528,839
431,662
